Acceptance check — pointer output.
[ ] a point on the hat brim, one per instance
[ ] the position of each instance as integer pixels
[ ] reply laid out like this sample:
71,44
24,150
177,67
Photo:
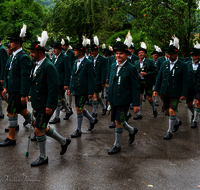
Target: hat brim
16,40
57,47
115,50
141,49
30,48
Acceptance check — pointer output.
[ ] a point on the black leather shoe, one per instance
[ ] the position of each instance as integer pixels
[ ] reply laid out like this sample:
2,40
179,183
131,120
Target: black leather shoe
76,134
137,117
194,124
34,137
114,150
156,104
40,161
2,116
92,125
176,127
55,120
155,113
8,142
168,136
94,114
112,125
104,111
68,115
25,123
132,136
128,117
16,129
192,118
64,147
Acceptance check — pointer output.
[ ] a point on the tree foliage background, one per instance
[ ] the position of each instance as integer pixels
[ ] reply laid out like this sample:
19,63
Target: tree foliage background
151,21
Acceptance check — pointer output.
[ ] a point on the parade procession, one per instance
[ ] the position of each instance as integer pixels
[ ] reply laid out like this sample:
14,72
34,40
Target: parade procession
100,102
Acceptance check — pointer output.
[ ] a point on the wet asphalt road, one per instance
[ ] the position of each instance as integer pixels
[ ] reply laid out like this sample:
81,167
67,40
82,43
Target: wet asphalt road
149,163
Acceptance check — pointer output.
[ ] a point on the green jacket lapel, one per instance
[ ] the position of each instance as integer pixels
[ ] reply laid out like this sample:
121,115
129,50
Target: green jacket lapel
81,65
198,69
15,57
37,71
122,70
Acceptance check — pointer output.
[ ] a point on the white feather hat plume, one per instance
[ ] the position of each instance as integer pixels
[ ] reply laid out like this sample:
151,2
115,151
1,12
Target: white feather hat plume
96,41
68,38
143,45
158,49
44,38
197,46
104,46
88,41
128,40
118,39
176,42
62,42
170,42
39,38
70,47
23,31
132,44
110,48
84,43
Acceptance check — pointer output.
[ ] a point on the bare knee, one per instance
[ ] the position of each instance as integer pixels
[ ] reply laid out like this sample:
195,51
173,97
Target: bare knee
172,112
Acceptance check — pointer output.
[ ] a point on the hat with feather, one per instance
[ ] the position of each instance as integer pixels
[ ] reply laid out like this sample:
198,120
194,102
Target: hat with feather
157,50
117,43
95,45
59,44
142,48
67,40
19,36
173,46
196,49
81,46
88,43
122,47
41,43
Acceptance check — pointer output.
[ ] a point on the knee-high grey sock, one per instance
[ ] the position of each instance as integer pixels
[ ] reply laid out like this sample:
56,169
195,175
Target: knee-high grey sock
42,145
88,116
172,121
196,113
101,103
152,105
191,108
28,117
70,101
58,111
128,128
140,112
55,135
1,110
118,136
94,104
79,121
12,122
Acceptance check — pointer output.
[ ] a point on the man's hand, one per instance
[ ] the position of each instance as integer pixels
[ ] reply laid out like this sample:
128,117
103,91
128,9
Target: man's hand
90,96
2,81
143,74
65,88
155,94
49,111
182,98
69,93
24,100
103,85
4,93
136,109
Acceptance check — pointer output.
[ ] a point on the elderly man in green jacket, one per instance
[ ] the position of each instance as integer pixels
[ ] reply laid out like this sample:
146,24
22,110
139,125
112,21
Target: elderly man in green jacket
172,85
44,98
123,89
62,65
147,74
82,86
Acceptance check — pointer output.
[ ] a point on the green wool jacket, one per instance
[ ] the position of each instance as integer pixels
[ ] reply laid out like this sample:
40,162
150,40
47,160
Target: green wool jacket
44,86
3,60
151,70
159,62
124,88
133,59
100,69
83,78
17,79
111,60
194,77
174,86
64,69
47,55
72,57
188,59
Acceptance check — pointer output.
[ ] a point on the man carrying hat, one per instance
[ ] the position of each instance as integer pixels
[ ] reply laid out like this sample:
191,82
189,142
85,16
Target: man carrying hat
147,74
44,98
62,64
123,89
100,70
193,94
17,84
172,85
82,86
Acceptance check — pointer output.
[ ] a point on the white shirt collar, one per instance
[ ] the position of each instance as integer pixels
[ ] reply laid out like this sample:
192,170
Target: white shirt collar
40,62
80,60
66,51
121,65
57,56
174,61
17,51
142,60
96,57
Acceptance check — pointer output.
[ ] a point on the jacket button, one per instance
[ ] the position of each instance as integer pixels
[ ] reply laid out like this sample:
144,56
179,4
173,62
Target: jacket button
173,86
173,81
163,85
118,94
36,83
11,81
78,79
38,98
78,84
37,91
118,87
